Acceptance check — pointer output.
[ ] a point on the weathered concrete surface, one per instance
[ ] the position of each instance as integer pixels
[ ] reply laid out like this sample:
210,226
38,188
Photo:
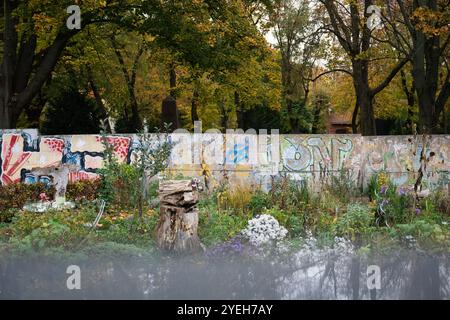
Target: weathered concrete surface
243,158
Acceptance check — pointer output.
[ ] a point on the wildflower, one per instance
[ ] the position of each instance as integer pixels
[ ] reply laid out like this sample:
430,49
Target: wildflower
418,211
383,189
263,229
401,191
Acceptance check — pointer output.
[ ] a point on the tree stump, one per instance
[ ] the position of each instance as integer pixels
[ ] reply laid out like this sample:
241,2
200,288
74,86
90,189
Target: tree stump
178,221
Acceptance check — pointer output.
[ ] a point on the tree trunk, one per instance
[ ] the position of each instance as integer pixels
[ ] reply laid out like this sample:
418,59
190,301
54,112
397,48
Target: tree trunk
364,97
169,113
97,96
178,222
427,54
286,81
5,119
224,115
409,93
316,115
355,117
194,106
33,111
136,123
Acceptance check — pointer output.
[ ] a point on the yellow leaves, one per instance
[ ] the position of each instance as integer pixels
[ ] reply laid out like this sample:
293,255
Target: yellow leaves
383,179
430,22
44,22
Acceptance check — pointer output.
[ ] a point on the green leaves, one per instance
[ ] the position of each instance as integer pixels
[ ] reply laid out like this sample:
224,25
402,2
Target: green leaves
355,221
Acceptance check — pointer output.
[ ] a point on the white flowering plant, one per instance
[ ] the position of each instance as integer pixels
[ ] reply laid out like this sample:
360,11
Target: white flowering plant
264,229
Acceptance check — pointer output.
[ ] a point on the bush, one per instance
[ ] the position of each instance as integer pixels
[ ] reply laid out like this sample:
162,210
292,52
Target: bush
63,229
215,227
259,202
289,195
292,221
343,186
70,230
6,215
441,200
16,195
83,190
423,231
127,228
355,222
118,185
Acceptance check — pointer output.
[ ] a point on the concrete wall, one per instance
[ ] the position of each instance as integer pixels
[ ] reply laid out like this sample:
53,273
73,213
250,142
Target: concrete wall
242,158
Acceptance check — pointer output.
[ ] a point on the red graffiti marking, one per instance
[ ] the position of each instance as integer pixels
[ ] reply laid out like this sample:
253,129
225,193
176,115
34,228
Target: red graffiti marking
120,144
77,176
8,150
55,145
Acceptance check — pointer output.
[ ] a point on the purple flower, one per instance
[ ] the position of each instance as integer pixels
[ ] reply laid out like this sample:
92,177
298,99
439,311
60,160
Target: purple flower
383,189
418,211
401,191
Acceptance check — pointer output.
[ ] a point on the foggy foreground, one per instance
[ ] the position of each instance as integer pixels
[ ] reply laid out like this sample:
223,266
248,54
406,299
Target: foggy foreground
318,274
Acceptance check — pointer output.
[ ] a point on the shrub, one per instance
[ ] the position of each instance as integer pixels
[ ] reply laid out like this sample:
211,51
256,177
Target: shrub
393,205
342,185
70,230
16,195
424,231
6,215
126,185
83,190
118,185
441,200
289,195
292,221
63,229
215,226
355,222
259,202
127,228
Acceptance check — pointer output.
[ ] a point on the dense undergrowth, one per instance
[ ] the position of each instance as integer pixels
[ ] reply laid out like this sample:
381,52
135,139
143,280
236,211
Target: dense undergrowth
383,217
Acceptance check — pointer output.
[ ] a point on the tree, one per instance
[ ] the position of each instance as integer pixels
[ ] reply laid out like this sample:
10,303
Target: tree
70,110
135,123
298,41
34,38
427,37
347,22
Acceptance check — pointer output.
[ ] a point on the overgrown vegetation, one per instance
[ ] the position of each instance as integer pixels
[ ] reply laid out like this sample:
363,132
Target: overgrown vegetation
384,216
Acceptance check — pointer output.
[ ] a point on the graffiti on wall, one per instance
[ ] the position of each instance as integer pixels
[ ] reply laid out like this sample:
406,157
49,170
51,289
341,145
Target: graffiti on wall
400,158
242,157
21,152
